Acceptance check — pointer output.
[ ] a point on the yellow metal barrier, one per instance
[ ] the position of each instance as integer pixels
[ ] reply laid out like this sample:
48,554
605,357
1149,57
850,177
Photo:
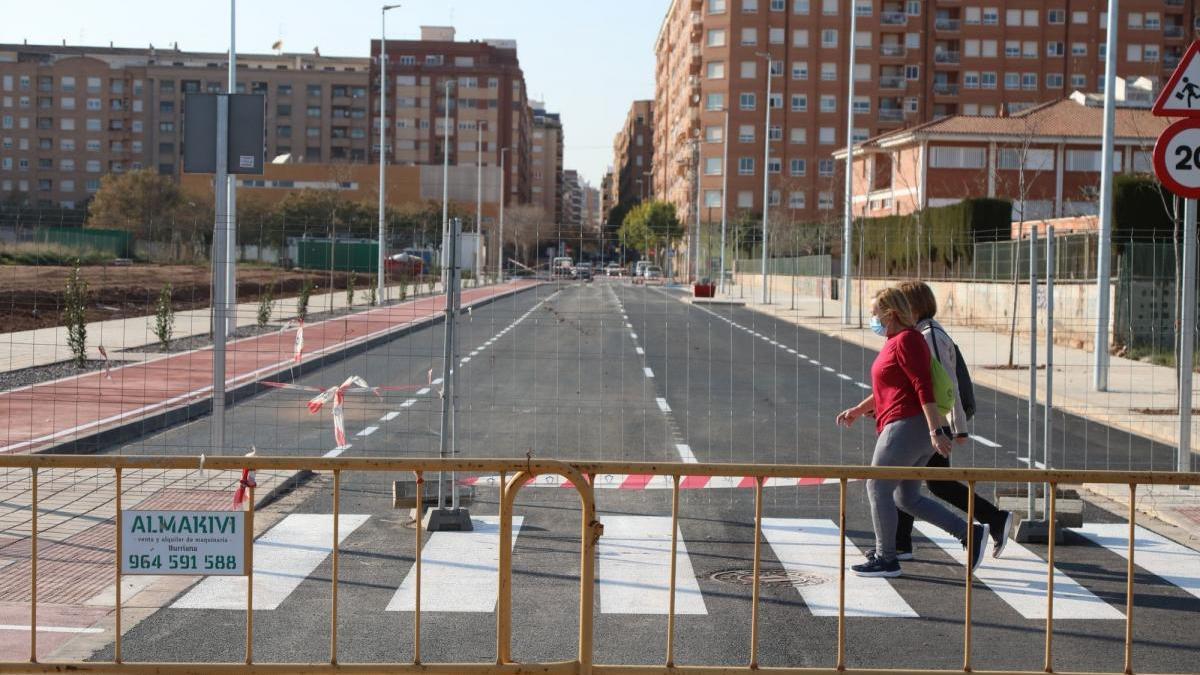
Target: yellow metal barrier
514,474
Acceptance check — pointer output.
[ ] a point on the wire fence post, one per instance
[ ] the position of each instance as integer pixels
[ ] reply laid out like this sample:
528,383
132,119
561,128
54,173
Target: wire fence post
1187,336
1033,238
1049,402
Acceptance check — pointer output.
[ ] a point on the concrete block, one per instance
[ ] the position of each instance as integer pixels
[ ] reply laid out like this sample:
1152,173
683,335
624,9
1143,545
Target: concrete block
448,520
404,493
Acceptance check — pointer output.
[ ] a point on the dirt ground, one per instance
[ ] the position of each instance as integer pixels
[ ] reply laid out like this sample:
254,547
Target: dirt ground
31,296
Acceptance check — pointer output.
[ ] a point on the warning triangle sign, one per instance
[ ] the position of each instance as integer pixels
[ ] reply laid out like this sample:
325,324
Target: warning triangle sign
1181,95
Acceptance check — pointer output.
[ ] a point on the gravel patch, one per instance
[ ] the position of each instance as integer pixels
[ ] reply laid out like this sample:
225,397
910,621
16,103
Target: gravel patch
51,371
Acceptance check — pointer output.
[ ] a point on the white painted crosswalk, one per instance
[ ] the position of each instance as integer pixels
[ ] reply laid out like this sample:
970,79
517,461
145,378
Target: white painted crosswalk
459,569
634,558
283,558
1019,578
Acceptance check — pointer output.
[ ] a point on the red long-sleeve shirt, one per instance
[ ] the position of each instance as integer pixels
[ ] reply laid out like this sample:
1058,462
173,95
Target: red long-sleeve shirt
901,379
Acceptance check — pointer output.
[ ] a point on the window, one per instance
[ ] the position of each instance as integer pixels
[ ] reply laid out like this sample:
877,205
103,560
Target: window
313,111
749,36
1012,48
991,16
829,7
1054,81
912,8
1056,16
971,48
827,136
1012,80
1031,18
800,37
862,105
829,38
284,90
798,135
164,86
912,104
828,103
1012,17
283,131
749,6
1150,53
93,124
1083,160
776,36
828,72
714,101
745,199
746,166
796,199
1135,20
1034,159
775,197
716,6
912,73
166,127
746,133
712,166
66,144
799,102
1029,49
1079,17
716,38
825,167
93,166
1078,49
747,101
776,68
1133,53
955,157
714,134
798,167
1029,81
862,40
166,107
970,80
825,200
749,70
972,16
1153,21
989,49
776,100
1055,49
1078,80
912,40
800,70
863,7
774,165
712,199
93,145
800,7
715,70
67,124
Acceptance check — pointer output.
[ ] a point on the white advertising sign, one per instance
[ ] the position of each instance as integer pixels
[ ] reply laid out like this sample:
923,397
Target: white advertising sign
183,542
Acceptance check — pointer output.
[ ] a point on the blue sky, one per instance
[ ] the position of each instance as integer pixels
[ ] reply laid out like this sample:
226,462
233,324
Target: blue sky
585,59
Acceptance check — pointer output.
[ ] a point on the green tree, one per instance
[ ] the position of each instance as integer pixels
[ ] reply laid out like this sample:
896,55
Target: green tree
142,202
651,225
164,317
75,298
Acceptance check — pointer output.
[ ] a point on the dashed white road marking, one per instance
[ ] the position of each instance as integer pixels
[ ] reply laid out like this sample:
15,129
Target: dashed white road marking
685,453
391,416
648,372
640,351
336,452
845,376
634,335
408,403
634,563
367,431
984,441
425,390
437,381
458,570
663,405
1152,552
1035,463
862,385
814,362
828,369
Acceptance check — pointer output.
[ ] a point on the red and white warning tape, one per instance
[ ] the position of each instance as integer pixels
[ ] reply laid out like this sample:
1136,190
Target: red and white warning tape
627,481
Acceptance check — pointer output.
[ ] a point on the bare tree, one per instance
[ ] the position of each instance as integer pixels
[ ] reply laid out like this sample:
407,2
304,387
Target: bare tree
524,228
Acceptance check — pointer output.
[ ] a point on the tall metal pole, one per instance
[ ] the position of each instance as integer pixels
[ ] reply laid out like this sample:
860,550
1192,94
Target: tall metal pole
231,186
449,274
445,182
1187,336
384,132
220,271
503,176
1103,251
848,220
1033,238
724,194
478,201
766,177
696,235
1048,406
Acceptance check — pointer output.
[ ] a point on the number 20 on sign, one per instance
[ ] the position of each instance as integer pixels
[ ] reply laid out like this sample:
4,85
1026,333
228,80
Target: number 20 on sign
1177,158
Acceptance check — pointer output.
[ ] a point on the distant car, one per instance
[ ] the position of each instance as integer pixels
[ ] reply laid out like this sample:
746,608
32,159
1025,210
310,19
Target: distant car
612,270
653,272
583,271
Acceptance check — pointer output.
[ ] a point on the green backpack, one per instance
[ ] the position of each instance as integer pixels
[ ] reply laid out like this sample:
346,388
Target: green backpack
943,387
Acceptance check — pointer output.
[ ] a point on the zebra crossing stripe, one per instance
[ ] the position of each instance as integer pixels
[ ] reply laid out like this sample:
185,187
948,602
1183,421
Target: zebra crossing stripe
283,558
634,557
1152,552
1019,578
811,546
458,570
633,481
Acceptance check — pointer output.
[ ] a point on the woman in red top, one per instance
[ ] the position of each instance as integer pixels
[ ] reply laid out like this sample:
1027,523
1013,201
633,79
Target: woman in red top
910,431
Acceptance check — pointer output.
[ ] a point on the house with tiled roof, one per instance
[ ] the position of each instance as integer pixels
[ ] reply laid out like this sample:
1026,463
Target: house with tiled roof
1045,159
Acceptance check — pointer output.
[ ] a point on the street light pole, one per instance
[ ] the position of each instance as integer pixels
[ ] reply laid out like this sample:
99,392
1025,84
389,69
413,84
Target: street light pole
231,187
503,176
1103,250
478,200
445,182
380,288
724,193
766,178
849,207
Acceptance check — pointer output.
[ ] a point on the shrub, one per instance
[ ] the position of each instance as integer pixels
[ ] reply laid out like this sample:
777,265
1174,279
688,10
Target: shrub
74,314
350,283
164,317
306,290
265,305
372,297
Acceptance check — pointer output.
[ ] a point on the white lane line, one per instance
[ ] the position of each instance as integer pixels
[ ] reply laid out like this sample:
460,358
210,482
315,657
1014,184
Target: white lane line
803,356
458,570
408,402
437,381
640,351
283,558
1152,552
1025,461
663,405
422,391
629,325
985,441
828,369
845,376
634,568
791,351
392,415
50,629
367,431
465,359
634,335
1019,578
685,453
863,385
648,372
812,546
475,353
814,362
337,452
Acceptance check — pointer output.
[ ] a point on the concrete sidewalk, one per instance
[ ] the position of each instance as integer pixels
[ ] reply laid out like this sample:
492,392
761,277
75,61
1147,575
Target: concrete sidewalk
1133,386
26,349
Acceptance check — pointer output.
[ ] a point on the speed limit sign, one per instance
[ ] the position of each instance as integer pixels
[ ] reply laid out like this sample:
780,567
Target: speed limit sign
1177,158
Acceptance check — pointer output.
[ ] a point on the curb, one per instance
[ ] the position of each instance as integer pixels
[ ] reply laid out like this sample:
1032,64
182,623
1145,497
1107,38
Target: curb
187,412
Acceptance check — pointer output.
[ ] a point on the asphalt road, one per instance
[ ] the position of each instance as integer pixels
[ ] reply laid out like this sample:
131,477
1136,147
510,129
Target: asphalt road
611,371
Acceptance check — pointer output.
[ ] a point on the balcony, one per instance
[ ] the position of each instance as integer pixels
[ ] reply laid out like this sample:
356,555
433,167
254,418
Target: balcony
948,57
891,81
1174,3
893,19
1169,61
891,115
1173,32
948,25
893,50
945,88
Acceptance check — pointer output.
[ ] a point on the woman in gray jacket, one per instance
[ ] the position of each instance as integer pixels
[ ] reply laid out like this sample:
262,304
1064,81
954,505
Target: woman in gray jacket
924,305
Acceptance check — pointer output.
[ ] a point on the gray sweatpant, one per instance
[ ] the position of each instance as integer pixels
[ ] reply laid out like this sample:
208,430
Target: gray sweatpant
905,443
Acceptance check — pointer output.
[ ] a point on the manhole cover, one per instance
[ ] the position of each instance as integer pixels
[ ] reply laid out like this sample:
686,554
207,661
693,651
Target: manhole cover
770,575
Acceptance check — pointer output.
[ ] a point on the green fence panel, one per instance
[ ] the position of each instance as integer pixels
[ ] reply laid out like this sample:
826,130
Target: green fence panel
348,255
119,243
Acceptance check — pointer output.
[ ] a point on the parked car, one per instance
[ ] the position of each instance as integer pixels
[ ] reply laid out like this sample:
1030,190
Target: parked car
653,272
612,270
583,271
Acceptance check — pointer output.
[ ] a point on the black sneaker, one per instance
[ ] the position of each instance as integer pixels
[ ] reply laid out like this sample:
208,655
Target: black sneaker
877,567
1000,539
904,554
980,535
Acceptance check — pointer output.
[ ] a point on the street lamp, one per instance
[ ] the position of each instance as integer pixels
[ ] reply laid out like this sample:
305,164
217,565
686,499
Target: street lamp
724,193
766,175
383,130
503,175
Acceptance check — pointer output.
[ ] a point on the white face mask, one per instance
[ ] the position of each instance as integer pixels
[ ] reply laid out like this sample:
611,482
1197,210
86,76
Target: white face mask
877,327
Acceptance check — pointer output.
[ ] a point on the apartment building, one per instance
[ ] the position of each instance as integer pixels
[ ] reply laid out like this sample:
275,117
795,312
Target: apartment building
572,200
449,96
70,115
633,154
1045,159
608,195
916,60
546,161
